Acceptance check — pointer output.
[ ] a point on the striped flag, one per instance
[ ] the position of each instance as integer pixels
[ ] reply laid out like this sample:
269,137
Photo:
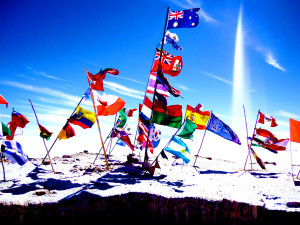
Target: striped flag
14,153
178,148
160,88
267,140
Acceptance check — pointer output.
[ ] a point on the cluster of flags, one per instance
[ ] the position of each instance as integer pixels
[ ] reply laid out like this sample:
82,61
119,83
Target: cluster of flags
154,110
266,139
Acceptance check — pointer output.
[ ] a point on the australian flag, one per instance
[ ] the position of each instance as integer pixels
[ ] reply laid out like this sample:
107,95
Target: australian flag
183,19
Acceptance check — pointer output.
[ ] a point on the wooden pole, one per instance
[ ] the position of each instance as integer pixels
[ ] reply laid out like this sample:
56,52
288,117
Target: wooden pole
249,154
249,151
42,138
63,126
107,167
106,139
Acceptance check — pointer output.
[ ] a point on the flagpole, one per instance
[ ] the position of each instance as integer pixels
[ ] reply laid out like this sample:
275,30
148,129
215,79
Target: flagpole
3,168
169,141
63,126
105,140
158,69
199,147
42,138
107,167
201,141
249,153
252,140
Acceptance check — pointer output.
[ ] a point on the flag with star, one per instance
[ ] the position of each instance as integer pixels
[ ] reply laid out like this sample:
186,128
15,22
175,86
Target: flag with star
183,19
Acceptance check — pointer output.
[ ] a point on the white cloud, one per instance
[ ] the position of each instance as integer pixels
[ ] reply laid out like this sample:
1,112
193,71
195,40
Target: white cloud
269,58
287,114
217,77
40,73
43,90
124,90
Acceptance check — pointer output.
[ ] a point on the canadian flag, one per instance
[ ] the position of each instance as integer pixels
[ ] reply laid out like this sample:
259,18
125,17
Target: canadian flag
266,119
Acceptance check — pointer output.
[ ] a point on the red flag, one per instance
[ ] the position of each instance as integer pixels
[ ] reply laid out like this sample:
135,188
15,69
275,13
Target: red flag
170,64
97,80
17,120
67,132
3,101
267,120
295,130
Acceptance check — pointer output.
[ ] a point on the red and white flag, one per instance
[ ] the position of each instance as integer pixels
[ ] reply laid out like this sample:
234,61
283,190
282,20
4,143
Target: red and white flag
107,104
267,120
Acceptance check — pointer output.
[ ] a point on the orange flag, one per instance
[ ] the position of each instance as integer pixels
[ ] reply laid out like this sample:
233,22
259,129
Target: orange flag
295,130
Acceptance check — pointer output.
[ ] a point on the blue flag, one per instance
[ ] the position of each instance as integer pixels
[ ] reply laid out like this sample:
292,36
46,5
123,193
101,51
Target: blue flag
218,127
183,19
14,153
178,148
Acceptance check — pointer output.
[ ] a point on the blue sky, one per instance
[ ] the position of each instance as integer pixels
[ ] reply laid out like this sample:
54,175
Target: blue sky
46,46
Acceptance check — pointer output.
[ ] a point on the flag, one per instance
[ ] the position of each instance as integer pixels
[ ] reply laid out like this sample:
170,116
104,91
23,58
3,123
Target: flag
295,130
97,80
3,101
14,153
172,38
17,120
4,130
197,116
123,135
220,128
122,119
268,140
162,80
154,135
160,88
167,115
83,118
129,112
187,129
67,132
120,142
170,64
183,19
179,149
87,94
267,120
146,109
258,160
44,133
107,104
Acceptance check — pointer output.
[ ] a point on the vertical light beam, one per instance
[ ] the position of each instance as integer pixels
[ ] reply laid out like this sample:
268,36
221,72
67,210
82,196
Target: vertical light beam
239,87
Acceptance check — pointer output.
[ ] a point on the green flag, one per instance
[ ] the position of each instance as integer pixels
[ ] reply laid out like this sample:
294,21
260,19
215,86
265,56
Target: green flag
122,119
187,129
4,130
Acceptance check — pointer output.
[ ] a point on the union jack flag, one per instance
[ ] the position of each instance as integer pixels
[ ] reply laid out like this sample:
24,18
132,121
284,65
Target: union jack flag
175,15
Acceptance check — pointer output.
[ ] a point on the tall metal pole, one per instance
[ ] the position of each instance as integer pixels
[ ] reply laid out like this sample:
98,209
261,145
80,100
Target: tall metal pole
158,69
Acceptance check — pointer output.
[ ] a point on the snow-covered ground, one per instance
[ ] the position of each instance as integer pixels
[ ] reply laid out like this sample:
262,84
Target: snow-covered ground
218,174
